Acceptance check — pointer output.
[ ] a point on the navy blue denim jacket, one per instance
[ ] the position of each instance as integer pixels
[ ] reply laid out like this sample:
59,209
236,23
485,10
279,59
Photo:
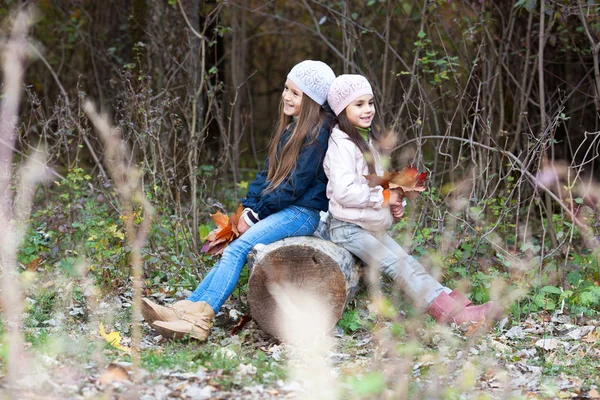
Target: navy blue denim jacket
306,185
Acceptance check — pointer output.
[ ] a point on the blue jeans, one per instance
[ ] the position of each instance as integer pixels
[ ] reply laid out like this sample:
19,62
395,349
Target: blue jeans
381,251
216,287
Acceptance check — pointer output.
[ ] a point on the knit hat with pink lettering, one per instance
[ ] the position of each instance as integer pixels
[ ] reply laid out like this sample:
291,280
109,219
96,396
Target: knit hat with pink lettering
345,89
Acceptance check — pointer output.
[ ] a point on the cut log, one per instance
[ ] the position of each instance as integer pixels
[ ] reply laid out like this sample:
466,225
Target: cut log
307,263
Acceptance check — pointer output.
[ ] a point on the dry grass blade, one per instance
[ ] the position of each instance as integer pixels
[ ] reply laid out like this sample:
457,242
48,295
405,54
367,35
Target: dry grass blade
126,178
15,206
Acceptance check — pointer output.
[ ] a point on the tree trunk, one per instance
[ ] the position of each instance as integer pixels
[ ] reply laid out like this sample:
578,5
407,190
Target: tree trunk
237,97
307,263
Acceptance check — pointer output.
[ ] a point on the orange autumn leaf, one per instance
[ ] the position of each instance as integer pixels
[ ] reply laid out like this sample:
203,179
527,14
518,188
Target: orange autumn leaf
225,233
408,181
235,218
477,326
211,236
383,181
220,219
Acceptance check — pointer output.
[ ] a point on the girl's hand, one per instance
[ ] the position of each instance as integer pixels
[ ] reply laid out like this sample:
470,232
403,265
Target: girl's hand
394,197
242,226
397,210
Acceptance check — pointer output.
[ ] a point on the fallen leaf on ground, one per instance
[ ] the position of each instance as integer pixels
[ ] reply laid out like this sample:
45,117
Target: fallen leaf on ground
547,344
516,332
114,372
240,325
113,338
476,326
593,394
32,266
591,337
499,346
48,284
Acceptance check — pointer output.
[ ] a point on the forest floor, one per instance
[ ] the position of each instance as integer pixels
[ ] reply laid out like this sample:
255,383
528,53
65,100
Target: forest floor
540,356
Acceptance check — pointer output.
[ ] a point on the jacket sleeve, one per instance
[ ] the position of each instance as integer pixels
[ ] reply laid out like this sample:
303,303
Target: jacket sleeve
310,159
341,158
256,187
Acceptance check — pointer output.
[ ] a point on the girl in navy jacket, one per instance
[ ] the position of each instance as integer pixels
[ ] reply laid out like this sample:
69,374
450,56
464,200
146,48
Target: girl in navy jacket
284,200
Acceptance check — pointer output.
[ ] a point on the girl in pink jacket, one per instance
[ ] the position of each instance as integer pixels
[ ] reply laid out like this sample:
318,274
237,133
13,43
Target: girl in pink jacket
360,215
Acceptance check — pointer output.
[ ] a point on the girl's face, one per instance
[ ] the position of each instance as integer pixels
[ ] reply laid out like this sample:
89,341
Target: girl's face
292,99
361,111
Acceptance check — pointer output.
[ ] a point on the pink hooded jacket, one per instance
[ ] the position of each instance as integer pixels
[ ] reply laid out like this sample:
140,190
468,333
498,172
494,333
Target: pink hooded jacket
350,197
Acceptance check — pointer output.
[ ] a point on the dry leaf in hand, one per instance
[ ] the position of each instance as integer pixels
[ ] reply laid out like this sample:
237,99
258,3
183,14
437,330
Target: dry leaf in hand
383,181
113,338
409,178
226,232
408,181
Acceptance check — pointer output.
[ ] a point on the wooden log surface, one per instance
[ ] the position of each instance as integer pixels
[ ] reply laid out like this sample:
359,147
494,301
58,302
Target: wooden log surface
309,264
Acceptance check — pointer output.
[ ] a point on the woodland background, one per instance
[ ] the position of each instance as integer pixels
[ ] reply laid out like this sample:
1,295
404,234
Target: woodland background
498,100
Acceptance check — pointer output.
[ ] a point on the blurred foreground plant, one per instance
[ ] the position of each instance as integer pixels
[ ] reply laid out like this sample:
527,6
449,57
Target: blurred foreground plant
15,204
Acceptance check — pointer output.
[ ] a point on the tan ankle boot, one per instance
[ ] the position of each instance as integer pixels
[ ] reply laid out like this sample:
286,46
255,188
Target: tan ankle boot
154,312
194,322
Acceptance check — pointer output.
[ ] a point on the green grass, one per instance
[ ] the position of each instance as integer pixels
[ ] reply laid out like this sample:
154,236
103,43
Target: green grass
39,310
584,367
174,355
222,362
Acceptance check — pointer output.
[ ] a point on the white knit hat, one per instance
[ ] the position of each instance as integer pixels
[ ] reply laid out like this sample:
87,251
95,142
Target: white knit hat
345,89
313,78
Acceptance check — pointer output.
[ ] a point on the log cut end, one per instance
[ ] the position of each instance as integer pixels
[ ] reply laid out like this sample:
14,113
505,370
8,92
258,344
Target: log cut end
305,263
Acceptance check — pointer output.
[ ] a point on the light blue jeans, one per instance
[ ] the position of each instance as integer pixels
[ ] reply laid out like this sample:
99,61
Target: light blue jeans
216,287
381,251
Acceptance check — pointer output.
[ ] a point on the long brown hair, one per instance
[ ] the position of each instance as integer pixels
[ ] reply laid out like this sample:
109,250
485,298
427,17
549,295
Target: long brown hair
283,161
355,137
